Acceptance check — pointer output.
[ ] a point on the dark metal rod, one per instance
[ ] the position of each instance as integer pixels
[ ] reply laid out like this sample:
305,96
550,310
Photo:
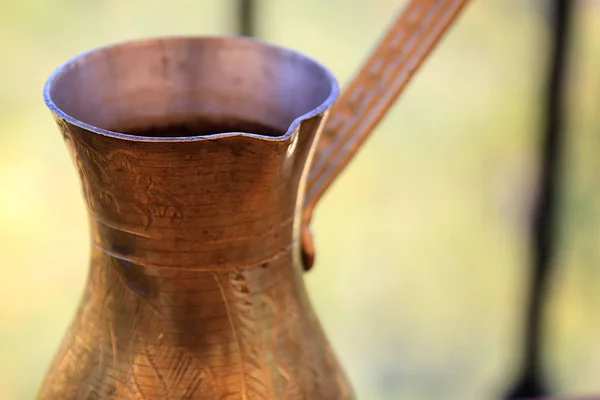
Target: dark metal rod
530,382
246,17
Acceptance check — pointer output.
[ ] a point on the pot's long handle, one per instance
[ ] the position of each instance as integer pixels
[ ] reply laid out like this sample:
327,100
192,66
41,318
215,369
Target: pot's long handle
371,93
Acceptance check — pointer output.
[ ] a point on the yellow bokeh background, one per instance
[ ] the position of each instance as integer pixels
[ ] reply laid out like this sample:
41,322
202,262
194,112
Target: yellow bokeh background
422,243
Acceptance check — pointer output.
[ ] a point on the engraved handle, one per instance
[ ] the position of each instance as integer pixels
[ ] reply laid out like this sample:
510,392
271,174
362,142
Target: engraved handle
371,93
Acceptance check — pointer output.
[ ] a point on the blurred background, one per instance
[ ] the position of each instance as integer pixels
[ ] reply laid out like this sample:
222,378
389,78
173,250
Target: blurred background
423,251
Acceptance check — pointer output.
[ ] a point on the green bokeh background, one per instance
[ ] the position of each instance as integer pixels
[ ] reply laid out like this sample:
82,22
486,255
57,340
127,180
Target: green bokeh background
422,243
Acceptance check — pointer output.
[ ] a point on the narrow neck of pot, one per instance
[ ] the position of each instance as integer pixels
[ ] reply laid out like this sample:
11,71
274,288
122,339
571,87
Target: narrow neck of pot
222,203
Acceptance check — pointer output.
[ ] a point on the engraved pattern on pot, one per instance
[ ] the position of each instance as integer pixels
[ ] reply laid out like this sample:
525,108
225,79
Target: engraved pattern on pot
255,380
291,390
162,205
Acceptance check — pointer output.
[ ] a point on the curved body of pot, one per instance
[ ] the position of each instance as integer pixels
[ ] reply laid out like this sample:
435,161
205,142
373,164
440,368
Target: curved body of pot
195,288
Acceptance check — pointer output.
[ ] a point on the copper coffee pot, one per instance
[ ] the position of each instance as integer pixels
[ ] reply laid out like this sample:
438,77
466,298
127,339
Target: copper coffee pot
201,160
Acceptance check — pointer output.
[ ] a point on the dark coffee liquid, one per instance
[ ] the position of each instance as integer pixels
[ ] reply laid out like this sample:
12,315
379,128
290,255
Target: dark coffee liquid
201,127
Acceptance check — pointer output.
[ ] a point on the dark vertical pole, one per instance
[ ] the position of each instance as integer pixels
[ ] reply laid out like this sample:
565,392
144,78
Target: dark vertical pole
246,17
530,382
